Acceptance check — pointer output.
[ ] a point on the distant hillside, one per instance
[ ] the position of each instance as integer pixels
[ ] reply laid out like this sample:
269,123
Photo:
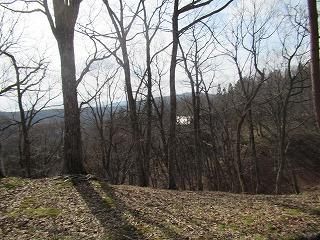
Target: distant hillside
57,114
48,114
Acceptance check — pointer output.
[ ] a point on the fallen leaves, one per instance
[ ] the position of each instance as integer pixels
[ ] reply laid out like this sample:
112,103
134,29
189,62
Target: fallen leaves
84,208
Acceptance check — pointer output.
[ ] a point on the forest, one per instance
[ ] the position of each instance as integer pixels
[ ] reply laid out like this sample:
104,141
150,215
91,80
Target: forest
198,96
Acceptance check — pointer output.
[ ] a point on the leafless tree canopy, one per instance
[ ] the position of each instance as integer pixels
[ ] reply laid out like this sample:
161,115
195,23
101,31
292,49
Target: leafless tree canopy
197,95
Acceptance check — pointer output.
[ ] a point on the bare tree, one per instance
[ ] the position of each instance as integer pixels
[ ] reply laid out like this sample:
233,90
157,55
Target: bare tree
9,37
176,32
62,26
150,31
31,99
249,34
293,51
152,19
122,36
122,30
196,61
103,107
7,41
159,104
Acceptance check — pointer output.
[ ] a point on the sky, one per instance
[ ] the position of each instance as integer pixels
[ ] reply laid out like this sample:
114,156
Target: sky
37,39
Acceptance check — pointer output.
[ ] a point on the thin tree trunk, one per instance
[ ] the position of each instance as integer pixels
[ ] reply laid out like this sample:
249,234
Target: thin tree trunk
172,144
195,92
122,32
197,153
218,167
282,146
103,149
27,153
162,130
294,180
254,152
197,138
109,150
149,109
2,174
26,149
139,163
238,162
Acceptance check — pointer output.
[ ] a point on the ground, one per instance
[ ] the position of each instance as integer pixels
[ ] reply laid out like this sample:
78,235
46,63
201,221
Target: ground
77,208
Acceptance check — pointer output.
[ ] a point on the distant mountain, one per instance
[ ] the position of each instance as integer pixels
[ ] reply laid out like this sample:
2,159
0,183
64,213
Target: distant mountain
46,115
58,114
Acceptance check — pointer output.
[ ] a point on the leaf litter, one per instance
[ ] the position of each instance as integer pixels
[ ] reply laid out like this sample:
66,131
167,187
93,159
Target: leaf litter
85,208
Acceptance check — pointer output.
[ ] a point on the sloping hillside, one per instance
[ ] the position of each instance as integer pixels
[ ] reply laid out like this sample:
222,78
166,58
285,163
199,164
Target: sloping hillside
304,152
77,208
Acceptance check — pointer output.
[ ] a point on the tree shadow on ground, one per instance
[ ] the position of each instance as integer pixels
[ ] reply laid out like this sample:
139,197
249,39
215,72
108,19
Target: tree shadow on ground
296,205
150,223
108,211
295,209
302,208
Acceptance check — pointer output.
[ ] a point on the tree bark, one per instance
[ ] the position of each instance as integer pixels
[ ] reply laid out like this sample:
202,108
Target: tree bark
195,93
217,165
111,133
2,174
172,143
73,161
65,16
26,148
254,152
238,162
140,171
147,158
315,68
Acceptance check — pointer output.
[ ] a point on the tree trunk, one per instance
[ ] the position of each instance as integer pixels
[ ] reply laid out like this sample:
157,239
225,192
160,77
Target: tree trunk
65,17
315,68
294,180
238,162
103,147
162,130
109,150
136,136
172,143
197,140
72,134
217,165
149,109
254,152
282,146
26,148
196,119
2,174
